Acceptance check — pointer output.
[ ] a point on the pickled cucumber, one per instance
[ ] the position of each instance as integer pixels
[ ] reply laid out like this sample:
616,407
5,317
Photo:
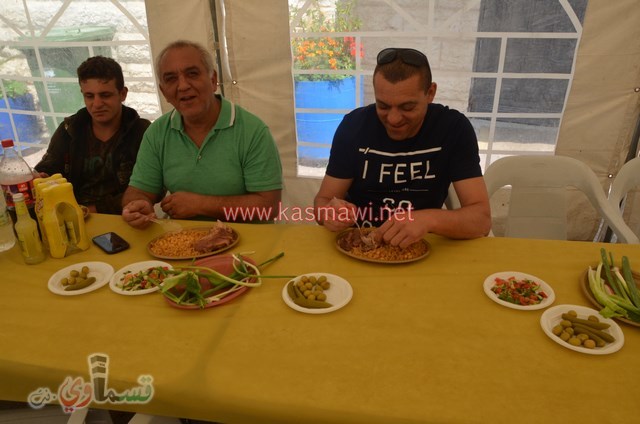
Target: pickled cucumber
312,304
80,284
587,333
308,292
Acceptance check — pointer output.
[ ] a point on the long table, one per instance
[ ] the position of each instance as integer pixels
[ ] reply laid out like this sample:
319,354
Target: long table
419,342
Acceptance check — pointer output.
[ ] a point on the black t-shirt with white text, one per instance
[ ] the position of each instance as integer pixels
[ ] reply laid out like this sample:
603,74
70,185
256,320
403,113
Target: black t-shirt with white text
413,173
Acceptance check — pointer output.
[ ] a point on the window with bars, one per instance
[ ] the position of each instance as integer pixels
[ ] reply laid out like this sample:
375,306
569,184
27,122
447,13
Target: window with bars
507,65
43,43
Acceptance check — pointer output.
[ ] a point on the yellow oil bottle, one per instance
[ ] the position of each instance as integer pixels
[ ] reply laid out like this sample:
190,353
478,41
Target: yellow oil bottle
27,231
63,220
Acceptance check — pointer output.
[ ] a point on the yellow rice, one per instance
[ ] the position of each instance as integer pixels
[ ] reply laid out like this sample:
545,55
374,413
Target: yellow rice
389,253
178,244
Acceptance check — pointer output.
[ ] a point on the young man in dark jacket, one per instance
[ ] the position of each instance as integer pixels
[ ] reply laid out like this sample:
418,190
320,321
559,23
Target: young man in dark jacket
96,148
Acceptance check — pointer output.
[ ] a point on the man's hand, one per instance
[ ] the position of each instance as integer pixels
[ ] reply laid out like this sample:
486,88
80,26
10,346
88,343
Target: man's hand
337,215
137,213
403,228
182,205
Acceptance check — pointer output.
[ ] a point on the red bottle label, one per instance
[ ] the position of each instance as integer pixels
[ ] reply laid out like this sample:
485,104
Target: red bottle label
25,188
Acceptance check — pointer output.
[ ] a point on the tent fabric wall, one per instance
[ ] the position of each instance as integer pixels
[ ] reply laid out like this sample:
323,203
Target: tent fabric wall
169,20
603,107
599,119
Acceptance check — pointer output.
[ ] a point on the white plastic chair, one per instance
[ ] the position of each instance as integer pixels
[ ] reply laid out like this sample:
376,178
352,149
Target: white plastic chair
153,419
538,200
452,202
627,178
82,416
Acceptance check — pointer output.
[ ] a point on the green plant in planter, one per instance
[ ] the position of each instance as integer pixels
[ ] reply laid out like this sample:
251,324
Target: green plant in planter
14,89
325,52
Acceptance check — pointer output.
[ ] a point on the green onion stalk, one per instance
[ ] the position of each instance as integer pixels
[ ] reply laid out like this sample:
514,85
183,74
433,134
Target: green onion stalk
625,300
245,274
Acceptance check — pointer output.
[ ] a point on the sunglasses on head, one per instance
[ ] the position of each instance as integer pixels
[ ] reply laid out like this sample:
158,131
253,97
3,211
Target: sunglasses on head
409,56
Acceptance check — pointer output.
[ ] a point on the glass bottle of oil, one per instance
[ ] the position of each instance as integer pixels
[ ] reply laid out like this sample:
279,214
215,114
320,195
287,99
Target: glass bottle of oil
7,238
27,231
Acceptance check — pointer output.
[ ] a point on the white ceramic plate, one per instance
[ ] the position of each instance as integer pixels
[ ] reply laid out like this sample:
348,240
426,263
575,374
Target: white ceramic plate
490,281
552,316
339,294
134,268
100,270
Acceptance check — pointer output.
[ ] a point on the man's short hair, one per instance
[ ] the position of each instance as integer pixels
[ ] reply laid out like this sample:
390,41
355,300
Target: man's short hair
101,68
205,56
398,70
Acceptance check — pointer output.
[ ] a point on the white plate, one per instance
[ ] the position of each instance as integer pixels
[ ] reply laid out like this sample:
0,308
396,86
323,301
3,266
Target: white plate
490,281
552,316
134,268
100,270
339,294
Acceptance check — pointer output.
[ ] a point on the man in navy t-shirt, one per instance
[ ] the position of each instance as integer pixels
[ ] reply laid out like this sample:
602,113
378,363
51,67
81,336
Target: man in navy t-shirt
392,162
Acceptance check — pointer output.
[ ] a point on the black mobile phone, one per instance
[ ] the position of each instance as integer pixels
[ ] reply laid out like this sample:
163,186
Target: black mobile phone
111,242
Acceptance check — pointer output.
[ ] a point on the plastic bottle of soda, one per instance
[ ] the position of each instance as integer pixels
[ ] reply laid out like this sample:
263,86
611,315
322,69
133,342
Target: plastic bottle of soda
27,231
7,237
16,176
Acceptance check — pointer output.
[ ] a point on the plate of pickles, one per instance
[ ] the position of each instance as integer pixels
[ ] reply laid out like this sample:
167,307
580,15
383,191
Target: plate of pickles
80,278
317,293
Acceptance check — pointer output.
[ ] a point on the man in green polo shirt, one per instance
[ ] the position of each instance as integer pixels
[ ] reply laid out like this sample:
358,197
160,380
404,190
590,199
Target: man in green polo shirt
209,154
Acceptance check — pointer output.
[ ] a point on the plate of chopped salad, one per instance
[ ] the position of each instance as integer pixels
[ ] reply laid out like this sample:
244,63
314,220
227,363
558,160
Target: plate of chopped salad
518,290
139,278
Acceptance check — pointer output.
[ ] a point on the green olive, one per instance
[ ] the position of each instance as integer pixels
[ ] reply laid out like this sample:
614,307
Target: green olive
574,341
85,270
74,273
64,281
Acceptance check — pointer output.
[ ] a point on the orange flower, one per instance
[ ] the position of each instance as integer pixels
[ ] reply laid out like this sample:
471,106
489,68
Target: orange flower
326,52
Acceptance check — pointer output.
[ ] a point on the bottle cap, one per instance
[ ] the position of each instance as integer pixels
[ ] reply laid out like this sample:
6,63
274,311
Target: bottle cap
7,143
18,197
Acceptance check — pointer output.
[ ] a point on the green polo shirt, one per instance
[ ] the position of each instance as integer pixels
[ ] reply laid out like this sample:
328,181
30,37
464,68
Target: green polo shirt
238,156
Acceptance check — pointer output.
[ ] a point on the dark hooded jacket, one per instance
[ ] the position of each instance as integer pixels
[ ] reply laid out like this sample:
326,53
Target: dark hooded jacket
68,149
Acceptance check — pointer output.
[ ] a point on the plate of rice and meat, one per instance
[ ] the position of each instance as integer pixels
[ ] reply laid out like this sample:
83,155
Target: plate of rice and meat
363,245
195,242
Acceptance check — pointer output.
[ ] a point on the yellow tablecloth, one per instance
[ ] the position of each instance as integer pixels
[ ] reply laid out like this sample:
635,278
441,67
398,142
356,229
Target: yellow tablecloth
418,342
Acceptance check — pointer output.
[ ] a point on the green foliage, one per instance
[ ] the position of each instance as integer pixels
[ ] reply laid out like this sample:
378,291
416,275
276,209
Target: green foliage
14,88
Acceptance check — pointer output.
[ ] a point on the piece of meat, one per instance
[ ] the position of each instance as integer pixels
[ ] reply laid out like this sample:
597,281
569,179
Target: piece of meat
353,238
220,236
